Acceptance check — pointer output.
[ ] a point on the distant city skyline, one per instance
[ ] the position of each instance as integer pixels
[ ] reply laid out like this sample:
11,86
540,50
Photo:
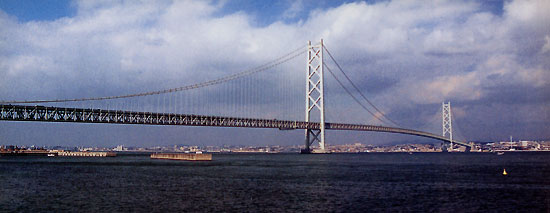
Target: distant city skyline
503,146
489,59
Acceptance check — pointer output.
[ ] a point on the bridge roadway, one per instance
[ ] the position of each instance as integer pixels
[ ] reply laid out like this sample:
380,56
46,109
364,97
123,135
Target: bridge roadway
80,115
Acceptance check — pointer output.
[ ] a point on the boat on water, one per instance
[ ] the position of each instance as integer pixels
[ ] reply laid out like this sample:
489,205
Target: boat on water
500,153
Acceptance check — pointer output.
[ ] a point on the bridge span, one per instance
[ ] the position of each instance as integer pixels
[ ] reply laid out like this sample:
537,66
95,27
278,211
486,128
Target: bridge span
81,115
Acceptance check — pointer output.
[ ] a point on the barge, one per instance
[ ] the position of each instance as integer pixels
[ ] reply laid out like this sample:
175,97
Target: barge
25,153
182,156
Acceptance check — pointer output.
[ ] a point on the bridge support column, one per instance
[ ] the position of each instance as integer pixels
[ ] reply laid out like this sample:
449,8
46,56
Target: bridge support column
447,123
315,99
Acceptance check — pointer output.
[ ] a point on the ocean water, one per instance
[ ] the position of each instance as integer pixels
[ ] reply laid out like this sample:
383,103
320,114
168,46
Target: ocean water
388,182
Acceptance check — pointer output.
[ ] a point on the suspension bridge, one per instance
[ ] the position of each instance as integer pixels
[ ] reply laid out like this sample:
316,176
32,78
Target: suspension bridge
229,101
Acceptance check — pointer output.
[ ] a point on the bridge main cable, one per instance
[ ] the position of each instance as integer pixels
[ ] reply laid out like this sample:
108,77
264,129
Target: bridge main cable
353,96
280,60
358,90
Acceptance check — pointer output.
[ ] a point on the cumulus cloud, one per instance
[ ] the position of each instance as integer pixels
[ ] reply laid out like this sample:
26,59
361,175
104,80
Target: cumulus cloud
119,43
419,53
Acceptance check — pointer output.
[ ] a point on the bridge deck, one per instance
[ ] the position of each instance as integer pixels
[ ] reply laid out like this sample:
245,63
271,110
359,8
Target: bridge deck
81,115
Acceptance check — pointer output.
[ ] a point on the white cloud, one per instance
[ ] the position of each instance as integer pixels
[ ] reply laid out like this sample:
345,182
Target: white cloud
147,38
529,11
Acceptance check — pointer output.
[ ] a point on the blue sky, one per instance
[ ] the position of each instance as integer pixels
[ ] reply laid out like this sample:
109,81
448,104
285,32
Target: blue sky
489,58
265,12
46,10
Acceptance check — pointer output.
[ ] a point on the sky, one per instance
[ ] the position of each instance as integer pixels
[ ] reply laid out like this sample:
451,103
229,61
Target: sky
490,59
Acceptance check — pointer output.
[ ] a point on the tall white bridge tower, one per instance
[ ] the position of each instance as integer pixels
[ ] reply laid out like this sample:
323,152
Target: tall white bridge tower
447,122
315,97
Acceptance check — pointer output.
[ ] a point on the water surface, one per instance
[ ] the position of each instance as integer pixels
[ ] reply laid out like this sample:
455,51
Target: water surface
442,182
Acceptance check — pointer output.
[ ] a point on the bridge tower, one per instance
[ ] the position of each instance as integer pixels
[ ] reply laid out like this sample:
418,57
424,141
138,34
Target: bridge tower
447,122
315,98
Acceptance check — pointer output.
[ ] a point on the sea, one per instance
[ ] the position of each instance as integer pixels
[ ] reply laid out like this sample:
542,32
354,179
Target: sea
362,182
